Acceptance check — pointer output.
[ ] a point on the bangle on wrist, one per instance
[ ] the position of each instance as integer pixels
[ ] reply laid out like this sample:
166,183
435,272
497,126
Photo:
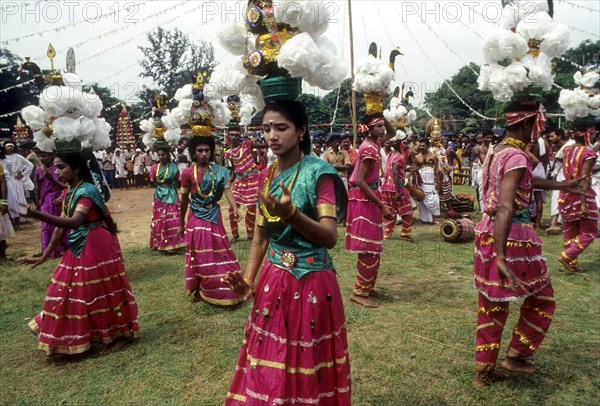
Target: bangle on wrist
291,216
249,281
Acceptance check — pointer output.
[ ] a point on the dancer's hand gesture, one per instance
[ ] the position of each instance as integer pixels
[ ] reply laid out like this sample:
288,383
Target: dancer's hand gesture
239,285
505,273
280,208
387,213
34,262
180,231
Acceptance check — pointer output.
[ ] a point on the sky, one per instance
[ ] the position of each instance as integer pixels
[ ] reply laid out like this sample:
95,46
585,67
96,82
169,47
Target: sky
436,37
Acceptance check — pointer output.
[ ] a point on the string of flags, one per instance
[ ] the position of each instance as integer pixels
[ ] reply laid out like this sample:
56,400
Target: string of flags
67,26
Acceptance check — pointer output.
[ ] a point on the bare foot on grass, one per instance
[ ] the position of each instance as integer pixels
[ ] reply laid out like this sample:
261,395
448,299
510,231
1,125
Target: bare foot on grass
483,379
364,301
519,365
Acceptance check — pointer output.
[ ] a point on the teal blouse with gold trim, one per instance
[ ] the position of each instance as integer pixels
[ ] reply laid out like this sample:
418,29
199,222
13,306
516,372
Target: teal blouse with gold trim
288,249
166,192
78,236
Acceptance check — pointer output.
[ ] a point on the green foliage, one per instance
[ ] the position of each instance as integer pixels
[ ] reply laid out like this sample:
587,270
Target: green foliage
344,106
318,112
172,60
18,97
444,104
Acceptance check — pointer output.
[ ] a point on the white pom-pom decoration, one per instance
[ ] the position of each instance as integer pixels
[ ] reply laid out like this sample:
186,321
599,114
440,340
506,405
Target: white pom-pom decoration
556,42
221,115
372,75
311,17
72,80
184,92
234,39
34,117
588,80
536,25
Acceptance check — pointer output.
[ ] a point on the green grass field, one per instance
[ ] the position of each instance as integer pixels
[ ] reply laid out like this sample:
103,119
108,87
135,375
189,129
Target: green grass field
416,349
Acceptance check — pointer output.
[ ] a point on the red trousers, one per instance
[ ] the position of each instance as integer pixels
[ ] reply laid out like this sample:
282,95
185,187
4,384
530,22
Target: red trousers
578,235
367,269
250,220
535,317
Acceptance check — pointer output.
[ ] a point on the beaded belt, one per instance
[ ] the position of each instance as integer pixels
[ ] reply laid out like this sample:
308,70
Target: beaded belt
245,174
372,185
520,217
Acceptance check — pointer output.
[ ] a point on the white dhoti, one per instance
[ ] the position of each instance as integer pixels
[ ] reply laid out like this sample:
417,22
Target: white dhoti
17,203
477,182
560,177
430,206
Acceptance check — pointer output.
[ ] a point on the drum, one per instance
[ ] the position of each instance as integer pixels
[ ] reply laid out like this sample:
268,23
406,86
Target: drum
458,230
416,193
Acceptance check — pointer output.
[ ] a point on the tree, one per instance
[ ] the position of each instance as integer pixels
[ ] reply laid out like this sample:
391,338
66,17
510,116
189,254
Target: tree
16,98
111,105
172,60
317,112
443,103
344,104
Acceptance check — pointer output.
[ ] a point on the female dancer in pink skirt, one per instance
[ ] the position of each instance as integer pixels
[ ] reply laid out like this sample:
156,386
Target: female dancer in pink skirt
366,210
294,349
165,206
89,298
209,255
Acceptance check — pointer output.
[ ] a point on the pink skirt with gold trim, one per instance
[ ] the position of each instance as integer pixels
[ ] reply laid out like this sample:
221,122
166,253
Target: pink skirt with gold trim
208,259
164,226
294,349
89,299
523,255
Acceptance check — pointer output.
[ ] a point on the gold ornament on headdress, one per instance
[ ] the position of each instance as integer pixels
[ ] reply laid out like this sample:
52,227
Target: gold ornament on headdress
264,58
200,123
159,133
161,102
51,53
433,129
374,102
202,78
48,130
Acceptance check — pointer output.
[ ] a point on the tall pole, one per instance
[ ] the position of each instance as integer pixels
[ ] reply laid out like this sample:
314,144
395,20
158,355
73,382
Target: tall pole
354,129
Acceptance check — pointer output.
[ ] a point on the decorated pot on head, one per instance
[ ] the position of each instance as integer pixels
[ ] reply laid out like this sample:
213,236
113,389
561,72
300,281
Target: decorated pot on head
372,77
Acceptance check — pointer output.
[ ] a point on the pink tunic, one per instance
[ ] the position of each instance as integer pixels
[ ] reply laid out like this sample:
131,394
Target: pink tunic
245,176
364,224
402,205
569,204
523,246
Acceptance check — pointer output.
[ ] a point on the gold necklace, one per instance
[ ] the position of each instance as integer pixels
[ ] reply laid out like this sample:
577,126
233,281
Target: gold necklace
65,208
268,216
513,142
212,186
164,178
